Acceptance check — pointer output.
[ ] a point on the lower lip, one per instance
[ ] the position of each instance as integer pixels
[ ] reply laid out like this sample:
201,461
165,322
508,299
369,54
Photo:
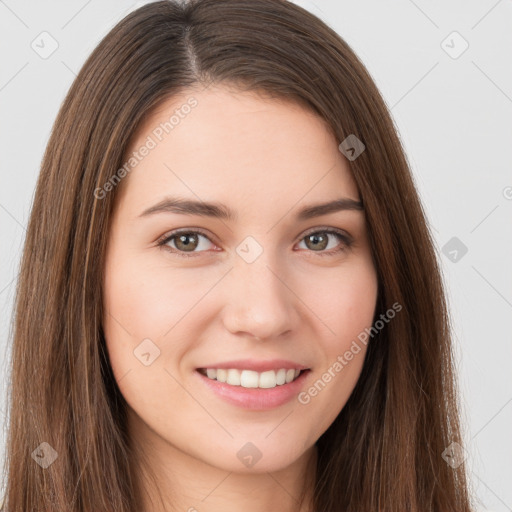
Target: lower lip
256,398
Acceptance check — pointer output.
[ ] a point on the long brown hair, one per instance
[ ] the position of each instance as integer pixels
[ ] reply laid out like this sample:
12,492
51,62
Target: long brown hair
384,450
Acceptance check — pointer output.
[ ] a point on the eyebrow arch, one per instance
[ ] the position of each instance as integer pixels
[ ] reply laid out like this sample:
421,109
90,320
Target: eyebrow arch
221,211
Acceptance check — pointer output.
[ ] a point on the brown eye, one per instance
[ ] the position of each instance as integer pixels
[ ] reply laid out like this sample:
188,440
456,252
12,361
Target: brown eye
319,241
186,243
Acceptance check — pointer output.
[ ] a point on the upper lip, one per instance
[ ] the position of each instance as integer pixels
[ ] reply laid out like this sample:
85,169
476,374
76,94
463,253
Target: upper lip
258,366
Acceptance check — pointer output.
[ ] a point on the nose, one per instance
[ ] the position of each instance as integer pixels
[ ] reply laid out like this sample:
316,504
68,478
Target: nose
259,301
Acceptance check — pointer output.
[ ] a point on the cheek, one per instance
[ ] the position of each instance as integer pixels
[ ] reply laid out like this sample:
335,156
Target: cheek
352,315
348,310
147,301
143,303
346,301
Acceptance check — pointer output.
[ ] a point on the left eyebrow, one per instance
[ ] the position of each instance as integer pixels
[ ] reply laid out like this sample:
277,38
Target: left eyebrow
337,205
218,210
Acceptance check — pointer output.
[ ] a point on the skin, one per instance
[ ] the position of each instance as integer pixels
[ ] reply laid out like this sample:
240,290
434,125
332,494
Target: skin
265,159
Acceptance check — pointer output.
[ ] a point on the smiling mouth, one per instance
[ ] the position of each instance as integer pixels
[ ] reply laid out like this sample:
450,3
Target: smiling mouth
250,378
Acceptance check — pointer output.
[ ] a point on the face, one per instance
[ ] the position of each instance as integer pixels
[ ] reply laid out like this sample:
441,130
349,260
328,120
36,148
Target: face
194,296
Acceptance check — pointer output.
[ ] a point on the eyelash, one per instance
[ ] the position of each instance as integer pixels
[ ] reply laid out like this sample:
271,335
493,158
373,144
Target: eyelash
346,241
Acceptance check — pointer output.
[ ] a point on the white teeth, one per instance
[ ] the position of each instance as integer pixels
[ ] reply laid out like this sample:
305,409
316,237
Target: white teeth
252,379
248,378
281,377
268,379
233,377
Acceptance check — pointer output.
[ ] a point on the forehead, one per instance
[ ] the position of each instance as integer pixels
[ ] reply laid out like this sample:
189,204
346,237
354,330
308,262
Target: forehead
237,148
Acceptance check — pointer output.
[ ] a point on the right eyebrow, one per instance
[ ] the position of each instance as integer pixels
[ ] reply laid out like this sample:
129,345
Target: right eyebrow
191,207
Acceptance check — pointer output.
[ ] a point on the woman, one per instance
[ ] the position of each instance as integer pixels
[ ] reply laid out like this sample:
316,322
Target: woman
229,296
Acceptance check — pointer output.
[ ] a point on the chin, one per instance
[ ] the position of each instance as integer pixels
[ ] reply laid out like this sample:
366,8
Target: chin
257,457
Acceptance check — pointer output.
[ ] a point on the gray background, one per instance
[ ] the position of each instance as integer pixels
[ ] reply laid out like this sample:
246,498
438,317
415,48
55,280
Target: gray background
454,115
